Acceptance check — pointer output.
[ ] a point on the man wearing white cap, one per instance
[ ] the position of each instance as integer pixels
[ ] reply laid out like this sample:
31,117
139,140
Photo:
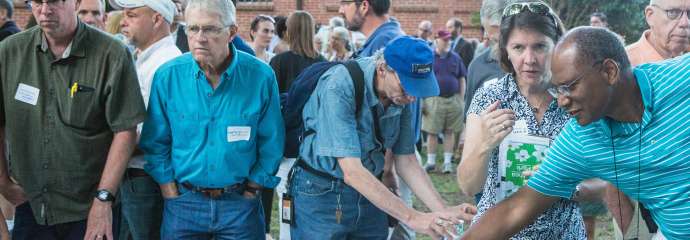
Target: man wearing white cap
146,24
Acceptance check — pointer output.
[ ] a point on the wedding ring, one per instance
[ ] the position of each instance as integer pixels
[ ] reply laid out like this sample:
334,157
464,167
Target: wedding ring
439,222
99,237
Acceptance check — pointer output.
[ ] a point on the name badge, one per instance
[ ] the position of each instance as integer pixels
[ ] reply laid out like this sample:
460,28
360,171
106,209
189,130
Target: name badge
27,94
239,133
520,127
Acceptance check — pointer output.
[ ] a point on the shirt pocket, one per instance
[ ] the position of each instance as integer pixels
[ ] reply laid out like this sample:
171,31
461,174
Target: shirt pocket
79,110
185,129
239,132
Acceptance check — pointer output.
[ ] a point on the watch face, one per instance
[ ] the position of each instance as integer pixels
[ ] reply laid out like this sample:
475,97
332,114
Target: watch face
103,195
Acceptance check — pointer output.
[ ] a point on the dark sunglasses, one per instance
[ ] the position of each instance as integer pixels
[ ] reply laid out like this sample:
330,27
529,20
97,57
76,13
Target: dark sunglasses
534,7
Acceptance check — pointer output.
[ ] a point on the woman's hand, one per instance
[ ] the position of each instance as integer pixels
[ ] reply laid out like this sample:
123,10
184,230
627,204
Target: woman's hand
491,126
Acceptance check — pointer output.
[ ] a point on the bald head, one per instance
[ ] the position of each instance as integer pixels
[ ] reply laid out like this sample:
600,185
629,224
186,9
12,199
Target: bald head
592,44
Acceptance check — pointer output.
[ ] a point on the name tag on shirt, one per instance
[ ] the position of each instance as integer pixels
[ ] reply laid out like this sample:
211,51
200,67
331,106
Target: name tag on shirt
520,127
236,133
27,94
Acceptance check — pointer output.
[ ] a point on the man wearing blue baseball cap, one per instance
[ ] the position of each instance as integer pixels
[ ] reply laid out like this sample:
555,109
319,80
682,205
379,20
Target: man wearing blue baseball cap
334,186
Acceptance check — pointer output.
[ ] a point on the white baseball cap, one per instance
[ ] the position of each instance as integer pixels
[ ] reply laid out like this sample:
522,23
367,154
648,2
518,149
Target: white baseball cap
166,8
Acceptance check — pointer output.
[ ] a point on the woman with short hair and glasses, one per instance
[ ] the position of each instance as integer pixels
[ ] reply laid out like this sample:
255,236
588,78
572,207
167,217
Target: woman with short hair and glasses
529,32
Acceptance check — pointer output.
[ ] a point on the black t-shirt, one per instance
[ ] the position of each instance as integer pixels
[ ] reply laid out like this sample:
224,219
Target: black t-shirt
288,65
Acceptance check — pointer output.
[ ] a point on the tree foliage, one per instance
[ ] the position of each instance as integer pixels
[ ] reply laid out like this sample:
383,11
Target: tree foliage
626,17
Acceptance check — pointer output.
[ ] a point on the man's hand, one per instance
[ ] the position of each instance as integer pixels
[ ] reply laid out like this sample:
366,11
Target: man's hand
463,211
12,192
250,190
169,190
436,224
100,221
390,181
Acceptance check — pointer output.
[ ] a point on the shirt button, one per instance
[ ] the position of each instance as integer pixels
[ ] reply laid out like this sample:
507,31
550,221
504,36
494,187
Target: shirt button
208,94
46,141
45,166
45,189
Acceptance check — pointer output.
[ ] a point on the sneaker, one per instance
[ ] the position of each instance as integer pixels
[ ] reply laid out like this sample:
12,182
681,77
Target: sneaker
429,167
447,168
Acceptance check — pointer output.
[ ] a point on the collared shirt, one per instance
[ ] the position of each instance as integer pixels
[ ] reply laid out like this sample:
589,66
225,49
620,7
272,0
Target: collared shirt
448,70
59,142
147,63
642,51
647,160
214,138
481,69
330,113
563,220
380,38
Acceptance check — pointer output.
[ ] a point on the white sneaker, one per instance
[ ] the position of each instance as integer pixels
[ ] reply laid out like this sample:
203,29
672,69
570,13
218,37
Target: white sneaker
429,167
447,168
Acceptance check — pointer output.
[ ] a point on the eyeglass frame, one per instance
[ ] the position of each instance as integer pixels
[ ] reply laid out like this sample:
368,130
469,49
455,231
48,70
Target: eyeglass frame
523,5
668,14
565,89
344,2
204,32
38,4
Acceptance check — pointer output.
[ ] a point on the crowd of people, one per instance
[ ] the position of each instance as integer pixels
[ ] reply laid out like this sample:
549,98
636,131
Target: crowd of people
157,120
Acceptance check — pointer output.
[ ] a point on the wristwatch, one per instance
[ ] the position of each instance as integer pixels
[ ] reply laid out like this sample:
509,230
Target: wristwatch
105,196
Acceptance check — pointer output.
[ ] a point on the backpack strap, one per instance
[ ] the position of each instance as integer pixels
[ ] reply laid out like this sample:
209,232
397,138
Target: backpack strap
357,76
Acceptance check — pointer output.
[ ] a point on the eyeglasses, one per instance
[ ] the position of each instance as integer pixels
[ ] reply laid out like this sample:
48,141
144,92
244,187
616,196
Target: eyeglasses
557,91
208,30
41,3
534,7
674,13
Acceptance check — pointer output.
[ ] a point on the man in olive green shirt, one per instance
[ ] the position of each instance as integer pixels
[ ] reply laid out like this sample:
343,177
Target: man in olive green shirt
70,104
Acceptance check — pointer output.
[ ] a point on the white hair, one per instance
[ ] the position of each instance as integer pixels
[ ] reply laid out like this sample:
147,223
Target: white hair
491,12
342,33
336,22
224,8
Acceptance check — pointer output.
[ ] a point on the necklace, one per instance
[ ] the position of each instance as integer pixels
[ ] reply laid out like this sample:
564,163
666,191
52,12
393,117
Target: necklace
615,169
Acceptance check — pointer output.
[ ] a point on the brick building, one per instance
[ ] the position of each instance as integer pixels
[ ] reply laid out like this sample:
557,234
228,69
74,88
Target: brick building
408,12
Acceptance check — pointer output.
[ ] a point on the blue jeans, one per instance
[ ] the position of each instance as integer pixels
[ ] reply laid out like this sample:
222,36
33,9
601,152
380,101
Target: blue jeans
142,207
26,227
193,215
316,200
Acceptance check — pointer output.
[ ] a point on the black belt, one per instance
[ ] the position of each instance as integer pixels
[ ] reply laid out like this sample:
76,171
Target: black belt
136,172
214,192
300,163
447,96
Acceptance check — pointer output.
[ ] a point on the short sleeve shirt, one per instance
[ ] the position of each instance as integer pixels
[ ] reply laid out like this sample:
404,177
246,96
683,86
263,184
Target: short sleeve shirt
330,113
646,160
563,220
60,115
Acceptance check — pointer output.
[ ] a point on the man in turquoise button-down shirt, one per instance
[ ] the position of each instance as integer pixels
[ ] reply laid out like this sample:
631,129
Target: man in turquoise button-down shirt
215,134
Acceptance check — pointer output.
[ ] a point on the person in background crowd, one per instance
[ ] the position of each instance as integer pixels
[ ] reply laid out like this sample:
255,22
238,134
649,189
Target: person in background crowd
287,66
668,36
598,19
621,117
261,31
319,44
92,12
279,44
339,44
425,31
529,32
7,26
72,127
463,47
443,114
240,124
146,25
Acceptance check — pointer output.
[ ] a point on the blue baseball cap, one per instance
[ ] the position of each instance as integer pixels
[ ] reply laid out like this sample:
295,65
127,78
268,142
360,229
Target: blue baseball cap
412,59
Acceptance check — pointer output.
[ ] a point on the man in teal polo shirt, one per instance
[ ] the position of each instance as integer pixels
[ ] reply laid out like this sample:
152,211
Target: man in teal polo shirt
630,128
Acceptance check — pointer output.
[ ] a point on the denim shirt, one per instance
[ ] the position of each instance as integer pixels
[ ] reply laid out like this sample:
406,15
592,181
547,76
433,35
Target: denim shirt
214,138
330,113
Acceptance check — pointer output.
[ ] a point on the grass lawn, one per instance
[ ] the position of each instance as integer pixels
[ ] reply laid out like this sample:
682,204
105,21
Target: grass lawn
447,186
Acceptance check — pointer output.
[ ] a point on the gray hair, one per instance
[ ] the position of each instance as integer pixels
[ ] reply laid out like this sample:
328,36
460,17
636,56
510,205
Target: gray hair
342,33
7,5
595,44
491,12
380,60
224,8
336,22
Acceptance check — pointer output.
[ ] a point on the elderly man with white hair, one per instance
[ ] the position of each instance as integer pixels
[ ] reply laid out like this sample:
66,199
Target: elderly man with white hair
214,135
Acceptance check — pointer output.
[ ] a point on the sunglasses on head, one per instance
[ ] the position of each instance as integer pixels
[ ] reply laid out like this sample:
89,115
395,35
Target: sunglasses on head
533,7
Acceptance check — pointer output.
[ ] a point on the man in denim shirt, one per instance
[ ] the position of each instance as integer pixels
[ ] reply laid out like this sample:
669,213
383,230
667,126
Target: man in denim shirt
334,186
